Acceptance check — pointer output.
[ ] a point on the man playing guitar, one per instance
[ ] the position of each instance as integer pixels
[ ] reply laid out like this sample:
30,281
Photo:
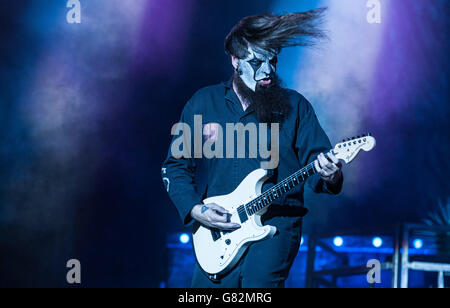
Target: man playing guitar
254,95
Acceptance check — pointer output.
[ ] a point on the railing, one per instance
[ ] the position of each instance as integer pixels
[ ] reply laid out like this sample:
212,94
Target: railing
400,263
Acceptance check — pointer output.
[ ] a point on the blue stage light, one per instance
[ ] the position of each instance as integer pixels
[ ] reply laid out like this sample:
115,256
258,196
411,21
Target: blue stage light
418,243
184,238
377,242
302,241
338,241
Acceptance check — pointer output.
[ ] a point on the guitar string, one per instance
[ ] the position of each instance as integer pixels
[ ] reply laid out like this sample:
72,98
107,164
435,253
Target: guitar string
304,170
295,175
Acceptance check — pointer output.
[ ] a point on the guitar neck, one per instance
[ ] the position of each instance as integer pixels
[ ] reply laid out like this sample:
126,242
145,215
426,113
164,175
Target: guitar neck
346,151
280,189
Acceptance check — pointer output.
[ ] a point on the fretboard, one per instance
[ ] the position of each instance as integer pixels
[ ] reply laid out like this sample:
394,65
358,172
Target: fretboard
280,189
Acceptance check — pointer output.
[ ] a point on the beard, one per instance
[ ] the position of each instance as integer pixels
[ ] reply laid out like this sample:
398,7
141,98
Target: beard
270,103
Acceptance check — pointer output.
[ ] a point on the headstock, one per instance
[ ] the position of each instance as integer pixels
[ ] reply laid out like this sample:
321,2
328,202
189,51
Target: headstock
349,148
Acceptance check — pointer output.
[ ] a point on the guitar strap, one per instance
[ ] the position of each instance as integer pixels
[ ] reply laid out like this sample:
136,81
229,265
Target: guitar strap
214,278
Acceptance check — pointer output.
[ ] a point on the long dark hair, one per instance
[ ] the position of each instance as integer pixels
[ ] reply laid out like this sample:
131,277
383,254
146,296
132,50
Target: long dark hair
275,32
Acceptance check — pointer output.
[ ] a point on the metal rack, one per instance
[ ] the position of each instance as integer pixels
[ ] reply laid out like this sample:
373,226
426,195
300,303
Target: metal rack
400,263
427,265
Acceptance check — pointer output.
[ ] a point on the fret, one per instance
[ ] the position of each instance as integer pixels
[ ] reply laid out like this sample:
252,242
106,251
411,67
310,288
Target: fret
313,170
259,206
254,207
242,214
249,209
277,191
274,192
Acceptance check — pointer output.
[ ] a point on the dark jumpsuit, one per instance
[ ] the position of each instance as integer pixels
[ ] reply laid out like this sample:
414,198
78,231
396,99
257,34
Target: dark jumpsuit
301,139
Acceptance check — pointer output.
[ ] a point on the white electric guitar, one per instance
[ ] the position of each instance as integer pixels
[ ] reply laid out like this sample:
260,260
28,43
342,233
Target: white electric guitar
218,251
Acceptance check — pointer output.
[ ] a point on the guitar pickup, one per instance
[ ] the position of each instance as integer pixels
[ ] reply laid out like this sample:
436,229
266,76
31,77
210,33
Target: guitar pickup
215,234
242,214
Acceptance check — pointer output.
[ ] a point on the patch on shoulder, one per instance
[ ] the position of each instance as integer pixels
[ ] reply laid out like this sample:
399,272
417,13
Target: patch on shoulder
211,132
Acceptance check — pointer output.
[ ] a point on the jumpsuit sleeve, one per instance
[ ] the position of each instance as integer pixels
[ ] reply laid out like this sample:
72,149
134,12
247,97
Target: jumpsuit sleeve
178,171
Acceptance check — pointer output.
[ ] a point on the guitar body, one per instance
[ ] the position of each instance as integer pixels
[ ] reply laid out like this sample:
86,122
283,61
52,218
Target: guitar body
217,252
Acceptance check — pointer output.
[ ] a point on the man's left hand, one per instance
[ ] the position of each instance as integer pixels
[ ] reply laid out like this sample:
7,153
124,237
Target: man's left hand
329,169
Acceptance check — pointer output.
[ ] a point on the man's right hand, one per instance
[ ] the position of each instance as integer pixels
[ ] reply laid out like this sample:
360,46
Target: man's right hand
213,216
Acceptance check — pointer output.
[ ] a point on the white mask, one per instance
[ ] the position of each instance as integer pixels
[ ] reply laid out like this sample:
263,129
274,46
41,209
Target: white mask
257,66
